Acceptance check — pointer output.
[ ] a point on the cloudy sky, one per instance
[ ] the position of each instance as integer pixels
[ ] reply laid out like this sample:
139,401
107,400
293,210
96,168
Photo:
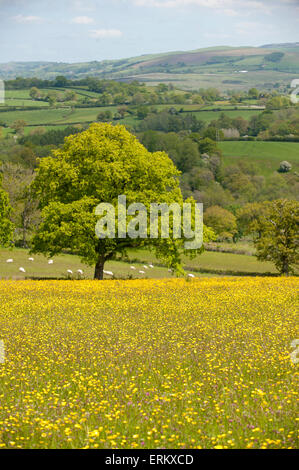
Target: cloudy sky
84,30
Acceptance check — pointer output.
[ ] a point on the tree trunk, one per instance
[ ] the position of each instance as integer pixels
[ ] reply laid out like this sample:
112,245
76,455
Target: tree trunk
285,267
99,269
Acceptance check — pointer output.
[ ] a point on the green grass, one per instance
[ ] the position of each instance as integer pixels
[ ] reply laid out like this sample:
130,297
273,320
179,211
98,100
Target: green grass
24,103
24,93
40,269
265,155
208,116
214,262
207,264
54,115
36,116
64,115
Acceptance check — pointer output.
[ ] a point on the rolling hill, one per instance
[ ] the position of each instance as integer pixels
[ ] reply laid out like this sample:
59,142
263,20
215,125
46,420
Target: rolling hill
225,67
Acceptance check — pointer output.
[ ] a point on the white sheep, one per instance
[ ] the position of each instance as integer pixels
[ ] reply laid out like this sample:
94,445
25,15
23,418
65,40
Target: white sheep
109,273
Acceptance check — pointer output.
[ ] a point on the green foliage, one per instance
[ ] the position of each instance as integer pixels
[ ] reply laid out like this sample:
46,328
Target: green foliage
34,93
25,215
247,214
285,167
19,125
253,93
278,102
181,149
221,221
276,234
6,226
166,121
105,116
51,137
274,57
97,166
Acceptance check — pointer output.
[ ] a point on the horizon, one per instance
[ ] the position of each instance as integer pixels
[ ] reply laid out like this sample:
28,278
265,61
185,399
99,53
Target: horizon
225,46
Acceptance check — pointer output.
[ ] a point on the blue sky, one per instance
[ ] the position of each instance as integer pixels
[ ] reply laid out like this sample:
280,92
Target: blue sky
79,30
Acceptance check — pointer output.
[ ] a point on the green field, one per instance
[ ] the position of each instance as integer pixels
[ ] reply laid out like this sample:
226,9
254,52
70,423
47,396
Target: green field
51,116
207,264
265,155
24,103
208,116
66,115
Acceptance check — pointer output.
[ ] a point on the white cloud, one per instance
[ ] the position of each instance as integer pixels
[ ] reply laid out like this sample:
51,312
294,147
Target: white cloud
82,20
27,19
105,33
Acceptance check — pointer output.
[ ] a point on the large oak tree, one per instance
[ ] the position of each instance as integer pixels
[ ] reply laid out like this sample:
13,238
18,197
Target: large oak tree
96,166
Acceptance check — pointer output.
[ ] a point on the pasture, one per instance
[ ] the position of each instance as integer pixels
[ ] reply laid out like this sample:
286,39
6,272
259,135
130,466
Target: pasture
149,364
209,115
67,113
265,155
207,264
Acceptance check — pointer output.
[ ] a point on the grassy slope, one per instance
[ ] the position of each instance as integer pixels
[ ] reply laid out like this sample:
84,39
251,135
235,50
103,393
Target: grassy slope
265,155
82,115
191,69
210,263
208,116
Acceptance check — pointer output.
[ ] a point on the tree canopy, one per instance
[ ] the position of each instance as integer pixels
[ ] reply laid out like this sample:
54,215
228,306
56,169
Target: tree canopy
6,226
95,166
276,236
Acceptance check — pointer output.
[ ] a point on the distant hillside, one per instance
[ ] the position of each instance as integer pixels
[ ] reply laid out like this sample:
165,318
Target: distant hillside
225,67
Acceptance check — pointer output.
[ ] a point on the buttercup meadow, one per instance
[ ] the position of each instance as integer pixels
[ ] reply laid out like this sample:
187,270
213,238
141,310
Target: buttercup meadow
149,363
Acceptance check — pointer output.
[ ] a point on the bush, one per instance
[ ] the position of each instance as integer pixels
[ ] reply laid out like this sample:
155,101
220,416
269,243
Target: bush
285,167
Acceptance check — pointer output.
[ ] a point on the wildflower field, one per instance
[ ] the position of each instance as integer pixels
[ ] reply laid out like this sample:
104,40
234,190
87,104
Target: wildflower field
149,363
